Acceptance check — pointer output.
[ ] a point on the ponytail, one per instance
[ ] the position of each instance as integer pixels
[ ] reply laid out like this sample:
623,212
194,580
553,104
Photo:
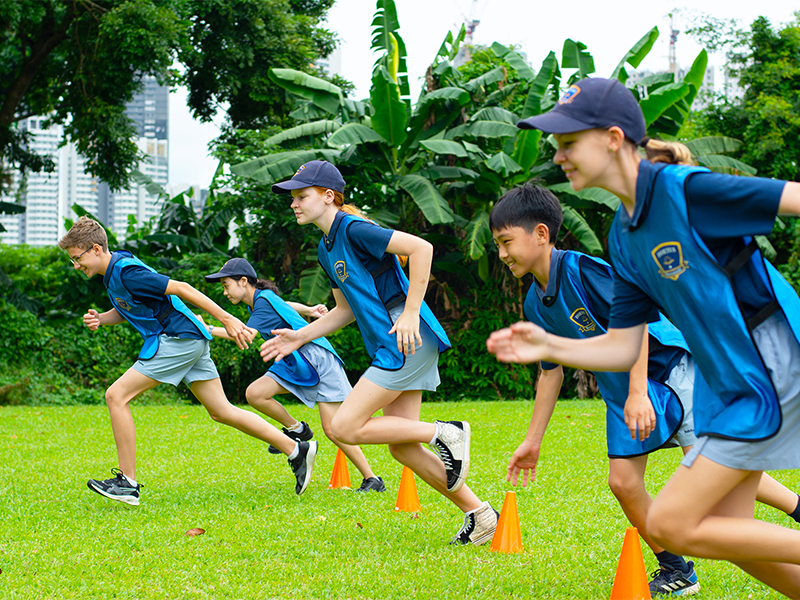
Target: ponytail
263,284
352,209
672,153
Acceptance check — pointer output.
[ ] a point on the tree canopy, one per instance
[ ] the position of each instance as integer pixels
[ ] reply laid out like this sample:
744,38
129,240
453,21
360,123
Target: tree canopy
79,62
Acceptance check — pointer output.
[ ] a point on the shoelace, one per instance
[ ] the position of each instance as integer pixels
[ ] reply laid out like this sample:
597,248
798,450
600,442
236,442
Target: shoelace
468,522
444,455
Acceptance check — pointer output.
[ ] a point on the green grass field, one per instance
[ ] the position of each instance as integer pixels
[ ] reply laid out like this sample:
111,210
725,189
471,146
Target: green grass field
59,540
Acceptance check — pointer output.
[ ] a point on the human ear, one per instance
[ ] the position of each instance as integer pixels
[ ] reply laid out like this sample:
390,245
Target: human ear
542,233
615,138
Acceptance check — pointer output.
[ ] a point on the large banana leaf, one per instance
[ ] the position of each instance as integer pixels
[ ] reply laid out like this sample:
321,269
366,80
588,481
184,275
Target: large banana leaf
662,99
715,144
389,119
314,286
478,235
151,186
597,195
444,94
695,78
450,45
277,167
526,148
444,147
354,133
304,130
498,96
533,103
495,113
386,39
575,56
443,172
725,164
581,230
322,93
636,54
503,164
10,208
490,129
515,60
486,79
427,197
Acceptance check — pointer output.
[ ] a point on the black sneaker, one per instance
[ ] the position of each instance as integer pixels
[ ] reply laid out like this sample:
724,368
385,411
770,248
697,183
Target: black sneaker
478,527
452,448
372,484
671,582
117,488
303,464
304,435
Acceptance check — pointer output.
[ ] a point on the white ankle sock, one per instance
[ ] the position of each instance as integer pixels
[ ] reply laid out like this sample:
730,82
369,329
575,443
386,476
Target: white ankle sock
131,481
435,434
296,428
295,452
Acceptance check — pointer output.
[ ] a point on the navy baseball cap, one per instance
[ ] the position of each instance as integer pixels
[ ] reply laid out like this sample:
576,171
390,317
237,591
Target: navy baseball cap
593,103
319,173
235,268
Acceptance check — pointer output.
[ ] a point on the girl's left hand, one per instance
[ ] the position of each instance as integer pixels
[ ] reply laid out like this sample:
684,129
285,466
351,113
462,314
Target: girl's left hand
318,311
407,329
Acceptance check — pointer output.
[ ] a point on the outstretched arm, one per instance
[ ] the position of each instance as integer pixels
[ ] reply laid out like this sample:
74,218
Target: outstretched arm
790,199
616,350
92,319
312,312
526,456
640,417
420,257
287,341
240,333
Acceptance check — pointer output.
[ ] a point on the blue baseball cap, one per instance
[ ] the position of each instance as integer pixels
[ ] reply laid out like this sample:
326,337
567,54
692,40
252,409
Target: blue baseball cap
593,103
319,173
235,268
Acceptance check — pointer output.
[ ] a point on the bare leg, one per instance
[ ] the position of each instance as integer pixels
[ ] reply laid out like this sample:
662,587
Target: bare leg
118,398
626,480
212,397
707,511
775,494
353,453
260,394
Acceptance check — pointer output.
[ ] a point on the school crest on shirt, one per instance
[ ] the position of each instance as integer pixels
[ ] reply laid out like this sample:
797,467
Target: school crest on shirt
341,270
582,318
569,95
122,304
669,258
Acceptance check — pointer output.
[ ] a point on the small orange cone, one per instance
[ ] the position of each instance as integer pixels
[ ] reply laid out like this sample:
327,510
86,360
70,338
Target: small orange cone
407,498
507,537
340,478
630,582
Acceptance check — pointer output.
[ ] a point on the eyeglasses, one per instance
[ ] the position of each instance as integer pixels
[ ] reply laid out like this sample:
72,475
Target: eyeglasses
76,260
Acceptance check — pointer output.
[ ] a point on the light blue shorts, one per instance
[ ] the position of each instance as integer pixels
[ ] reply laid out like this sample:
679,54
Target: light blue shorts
781,354
421,369
333,384
179,360
681,380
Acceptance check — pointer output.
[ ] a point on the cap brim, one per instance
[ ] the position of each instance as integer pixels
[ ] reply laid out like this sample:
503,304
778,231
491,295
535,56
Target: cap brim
288,186
216,276
554,122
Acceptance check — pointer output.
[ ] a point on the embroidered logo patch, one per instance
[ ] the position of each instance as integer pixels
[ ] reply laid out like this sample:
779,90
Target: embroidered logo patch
122,304
581,317
669,258
300,170
341,270
569,95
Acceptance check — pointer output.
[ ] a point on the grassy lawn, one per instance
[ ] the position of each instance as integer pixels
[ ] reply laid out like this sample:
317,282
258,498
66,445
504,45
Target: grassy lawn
59,540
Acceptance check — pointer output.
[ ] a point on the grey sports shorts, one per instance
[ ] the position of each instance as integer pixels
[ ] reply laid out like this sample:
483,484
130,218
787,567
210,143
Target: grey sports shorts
179,360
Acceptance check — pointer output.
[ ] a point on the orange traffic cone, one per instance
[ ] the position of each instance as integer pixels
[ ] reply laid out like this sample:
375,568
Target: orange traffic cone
630,583
407,498
340,478
507,537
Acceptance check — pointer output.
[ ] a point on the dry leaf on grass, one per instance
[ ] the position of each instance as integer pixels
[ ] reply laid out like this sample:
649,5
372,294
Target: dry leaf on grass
195,531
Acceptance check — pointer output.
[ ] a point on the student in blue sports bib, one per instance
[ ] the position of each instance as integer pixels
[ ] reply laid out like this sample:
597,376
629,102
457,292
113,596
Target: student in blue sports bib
682,241
400,333
175,349
646,410
314,373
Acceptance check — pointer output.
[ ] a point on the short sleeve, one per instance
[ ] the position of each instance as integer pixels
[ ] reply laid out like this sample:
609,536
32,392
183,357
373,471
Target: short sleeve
631,306
145,285
369,239
265,318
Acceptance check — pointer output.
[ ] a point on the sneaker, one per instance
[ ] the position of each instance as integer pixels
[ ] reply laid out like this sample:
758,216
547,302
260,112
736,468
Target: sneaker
304,435
303,464
669,582
118,488
478,527
452,448
372,484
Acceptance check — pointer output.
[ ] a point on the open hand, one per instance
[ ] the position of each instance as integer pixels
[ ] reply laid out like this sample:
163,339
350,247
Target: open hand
284,342
524,459
407,329
523,342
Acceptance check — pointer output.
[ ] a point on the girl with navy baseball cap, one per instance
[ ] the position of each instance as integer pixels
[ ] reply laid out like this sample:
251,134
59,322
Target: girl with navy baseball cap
400,333
682,241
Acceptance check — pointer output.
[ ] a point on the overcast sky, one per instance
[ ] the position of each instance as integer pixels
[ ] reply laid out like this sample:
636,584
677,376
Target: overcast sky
608,29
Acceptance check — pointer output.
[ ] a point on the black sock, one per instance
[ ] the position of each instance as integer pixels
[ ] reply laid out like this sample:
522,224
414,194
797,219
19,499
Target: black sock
795,514
673,561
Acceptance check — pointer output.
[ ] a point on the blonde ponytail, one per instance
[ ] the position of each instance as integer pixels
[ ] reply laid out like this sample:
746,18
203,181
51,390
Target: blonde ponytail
672,153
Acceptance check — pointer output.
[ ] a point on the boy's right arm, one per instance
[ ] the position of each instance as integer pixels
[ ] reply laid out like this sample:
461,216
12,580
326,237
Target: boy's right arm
526,456
92,319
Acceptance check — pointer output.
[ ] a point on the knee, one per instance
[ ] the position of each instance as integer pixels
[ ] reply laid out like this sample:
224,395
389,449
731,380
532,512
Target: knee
327,428
223,415
342,430
251,394
402,452
114,399
667,530
624,488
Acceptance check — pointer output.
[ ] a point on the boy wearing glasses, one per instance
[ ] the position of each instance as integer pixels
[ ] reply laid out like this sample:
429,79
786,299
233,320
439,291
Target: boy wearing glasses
175,349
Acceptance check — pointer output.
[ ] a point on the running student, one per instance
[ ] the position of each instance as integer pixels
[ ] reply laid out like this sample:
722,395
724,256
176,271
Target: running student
646,411
175,349
314,373
400,333
682,240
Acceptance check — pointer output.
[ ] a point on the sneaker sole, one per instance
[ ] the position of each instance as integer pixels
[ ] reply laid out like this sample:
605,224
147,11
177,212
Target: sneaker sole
688,591
464,460
131,500
310,458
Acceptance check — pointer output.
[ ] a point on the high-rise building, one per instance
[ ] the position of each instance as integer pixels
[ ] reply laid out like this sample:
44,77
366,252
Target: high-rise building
48,197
